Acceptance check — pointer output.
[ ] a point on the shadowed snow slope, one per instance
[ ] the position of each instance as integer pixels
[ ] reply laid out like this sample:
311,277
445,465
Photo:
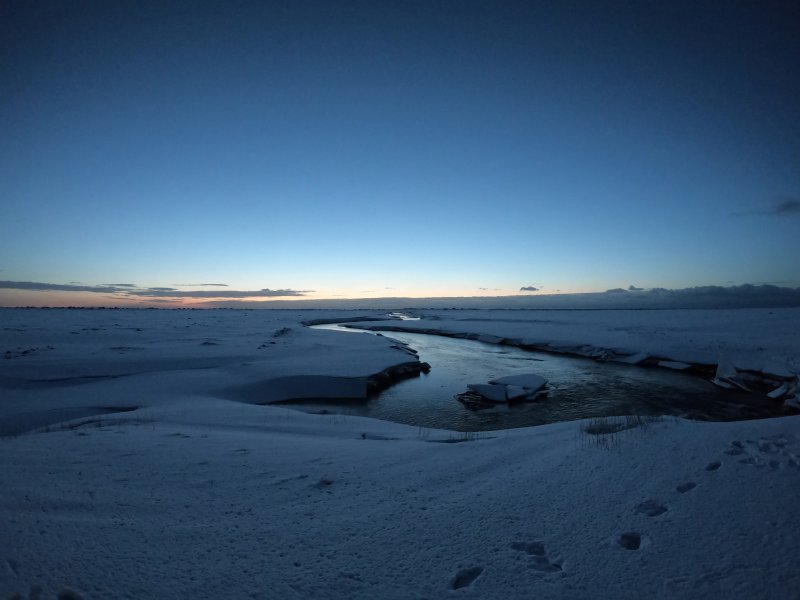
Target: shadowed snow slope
197,495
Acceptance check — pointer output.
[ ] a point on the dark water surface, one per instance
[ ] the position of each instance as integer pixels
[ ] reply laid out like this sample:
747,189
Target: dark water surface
578,388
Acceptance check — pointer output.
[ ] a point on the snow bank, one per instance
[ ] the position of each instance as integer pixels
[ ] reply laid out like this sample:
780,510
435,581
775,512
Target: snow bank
64,359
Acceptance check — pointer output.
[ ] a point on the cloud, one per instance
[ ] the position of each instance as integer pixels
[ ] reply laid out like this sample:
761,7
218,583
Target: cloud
127,285
56,287
173,293
153,292
785,206
709,296
200,284
528,288
633,288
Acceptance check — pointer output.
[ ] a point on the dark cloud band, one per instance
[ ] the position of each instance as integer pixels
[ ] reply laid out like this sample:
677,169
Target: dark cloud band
154,292
172,293
785,207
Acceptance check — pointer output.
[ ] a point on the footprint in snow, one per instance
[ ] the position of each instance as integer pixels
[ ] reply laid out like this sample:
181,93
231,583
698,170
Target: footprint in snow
713,466
36,593
466,577
323,483
685,487
771,451
651,508
13,566
735,449
539,559
630,541
532,548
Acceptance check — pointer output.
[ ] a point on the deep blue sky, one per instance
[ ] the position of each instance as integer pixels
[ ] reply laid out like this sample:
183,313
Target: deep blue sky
399,148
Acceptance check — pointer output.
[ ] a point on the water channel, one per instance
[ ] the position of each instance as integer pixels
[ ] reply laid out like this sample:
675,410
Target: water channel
578,388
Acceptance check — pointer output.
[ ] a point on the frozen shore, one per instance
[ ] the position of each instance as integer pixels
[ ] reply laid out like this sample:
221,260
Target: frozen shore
760,341
197,491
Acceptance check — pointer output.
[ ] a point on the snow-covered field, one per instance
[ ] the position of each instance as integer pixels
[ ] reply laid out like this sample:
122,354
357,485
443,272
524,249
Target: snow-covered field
195,492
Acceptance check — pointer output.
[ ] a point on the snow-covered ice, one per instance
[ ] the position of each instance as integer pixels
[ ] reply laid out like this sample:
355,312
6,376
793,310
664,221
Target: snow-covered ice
198,491
509,388
528,381
515,392
493,393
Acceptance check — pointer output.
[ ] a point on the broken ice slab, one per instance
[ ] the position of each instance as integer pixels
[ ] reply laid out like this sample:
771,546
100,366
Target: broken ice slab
779,392
674,364
510,388
725,368
633,359
529,381
786,391
727,375
515,392
494,393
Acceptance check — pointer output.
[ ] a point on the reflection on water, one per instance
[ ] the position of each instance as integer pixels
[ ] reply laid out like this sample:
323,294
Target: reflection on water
578,388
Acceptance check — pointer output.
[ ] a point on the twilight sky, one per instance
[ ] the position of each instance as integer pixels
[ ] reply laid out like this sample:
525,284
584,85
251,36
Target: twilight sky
361,149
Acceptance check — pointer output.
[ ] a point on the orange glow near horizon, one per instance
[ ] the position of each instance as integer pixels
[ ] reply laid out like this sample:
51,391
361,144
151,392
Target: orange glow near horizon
52,298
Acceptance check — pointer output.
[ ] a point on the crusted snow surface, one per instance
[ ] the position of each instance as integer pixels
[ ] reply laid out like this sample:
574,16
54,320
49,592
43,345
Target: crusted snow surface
210,500
196,491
